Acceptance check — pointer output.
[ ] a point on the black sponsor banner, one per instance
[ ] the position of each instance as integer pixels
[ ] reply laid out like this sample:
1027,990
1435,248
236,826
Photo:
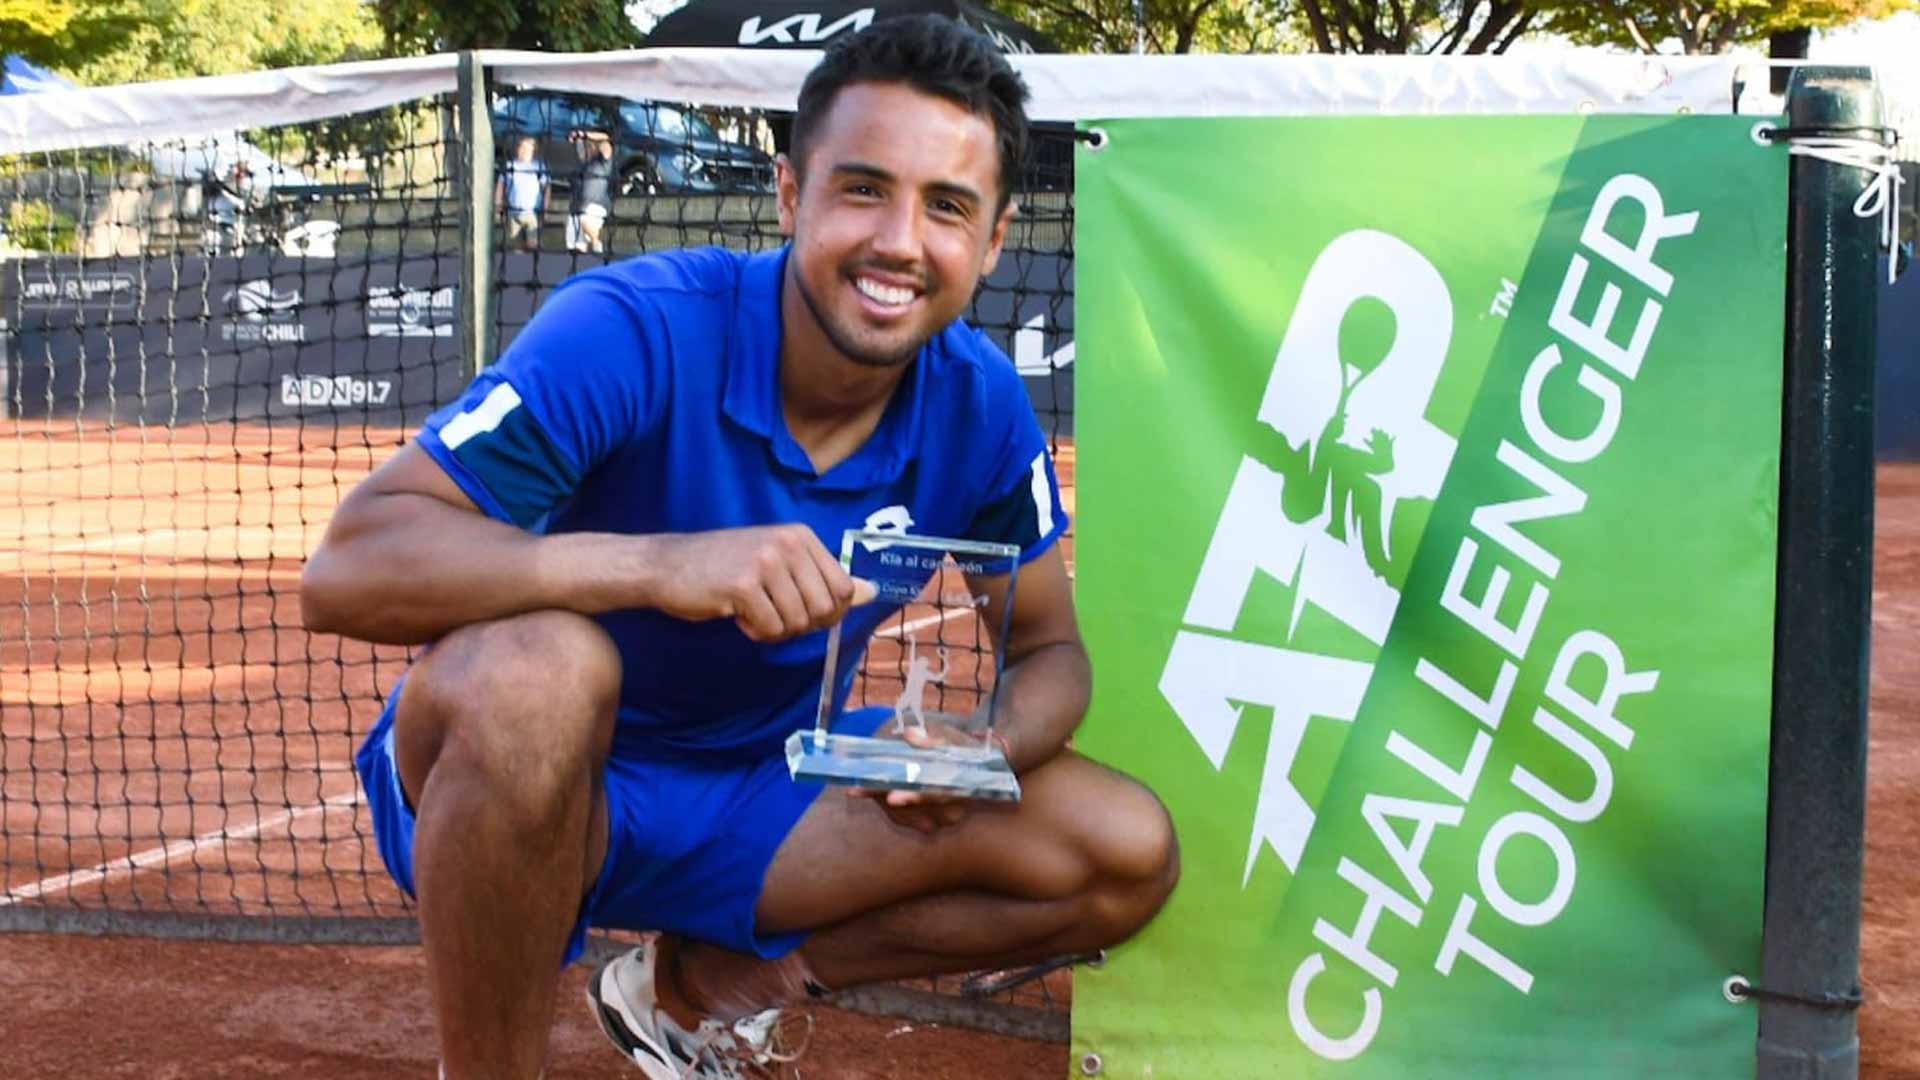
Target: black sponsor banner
263,337
1897,426
193,339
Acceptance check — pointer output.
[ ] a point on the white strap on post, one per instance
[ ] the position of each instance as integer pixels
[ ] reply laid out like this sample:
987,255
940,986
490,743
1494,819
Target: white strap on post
1880,198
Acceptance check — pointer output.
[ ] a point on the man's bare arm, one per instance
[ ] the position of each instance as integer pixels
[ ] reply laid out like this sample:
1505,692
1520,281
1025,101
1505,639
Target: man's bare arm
408,557
1047,680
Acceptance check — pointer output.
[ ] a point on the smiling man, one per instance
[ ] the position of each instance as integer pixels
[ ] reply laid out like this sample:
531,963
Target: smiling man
617,542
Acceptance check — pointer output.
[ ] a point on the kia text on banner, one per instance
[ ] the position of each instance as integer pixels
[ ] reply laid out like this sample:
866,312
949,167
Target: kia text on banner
1428,472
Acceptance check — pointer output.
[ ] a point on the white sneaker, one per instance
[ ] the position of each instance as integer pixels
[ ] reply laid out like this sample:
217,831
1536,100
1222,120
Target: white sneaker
624,1001
622,997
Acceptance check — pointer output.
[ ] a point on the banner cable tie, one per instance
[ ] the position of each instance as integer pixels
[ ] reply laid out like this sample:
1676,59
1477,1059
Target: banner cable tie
1868,148
1740,989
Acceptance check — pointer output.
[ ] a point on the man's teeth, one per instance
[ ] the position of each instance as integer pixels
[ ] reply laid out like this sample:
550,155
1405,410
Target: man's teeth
892,295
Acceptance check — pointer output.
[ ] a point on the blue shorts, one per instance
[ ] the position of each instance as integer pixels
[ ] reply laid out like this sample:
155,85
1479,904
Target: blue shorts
688,845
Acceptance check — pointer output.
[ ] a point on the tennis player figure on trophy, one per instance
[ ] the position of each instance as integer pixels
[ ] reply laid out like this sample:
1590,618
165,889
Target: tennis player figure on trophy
920,675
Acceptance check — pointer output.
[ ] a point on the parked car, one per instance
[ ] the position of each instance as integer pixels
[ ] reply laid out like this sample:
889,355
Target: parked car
658,147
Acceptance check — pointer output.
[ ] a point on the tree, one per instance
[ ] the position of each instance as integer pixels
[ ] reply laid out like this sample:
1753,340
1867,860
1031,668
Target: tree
1704,26
414,26
219,37
1415,26
1166,26
66,34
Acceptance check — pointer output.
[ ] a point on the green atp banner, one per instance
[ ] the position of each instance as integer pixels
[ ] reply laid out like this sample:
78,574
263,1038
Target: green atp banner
1428,473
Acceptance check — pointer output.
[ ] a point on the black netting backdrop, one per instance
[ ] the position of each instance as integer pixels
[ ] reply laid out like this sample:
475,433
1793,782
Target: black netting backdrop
716,187
206,344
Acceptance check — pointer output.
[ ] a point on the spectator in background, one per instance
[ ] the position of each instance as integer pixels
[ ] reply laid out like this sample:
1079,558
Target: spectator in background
522,188
228,202
592,202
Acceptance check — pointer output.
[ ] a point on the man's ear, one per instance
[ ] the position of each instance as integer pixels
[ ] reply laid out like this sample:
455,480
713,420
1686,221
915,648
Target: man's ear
999,237
786,188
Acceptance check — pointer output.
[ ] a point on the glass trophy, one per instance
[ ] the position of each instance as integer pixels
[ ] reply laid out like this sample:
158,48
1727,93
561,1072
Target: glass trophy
932,663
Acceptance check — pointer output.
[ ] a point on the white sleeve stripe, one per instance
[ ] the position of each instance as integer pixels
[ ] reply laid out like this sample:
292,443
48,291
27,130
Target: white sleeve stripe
1042,495
480,419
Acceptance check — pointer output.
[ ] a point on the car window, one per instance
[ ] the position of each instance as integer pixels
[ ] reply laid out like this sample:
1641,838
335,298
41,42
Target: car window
588,115
672,123
526,113
636,117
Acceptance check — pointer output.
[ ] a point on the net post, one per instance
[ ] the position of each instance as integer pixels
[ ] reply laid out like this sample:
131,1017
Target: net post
1816,800
476,214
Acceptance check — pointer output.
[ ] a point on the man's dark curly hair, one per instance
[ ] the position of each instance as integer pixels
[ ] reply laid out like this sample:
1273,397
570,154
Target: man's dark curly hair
932,54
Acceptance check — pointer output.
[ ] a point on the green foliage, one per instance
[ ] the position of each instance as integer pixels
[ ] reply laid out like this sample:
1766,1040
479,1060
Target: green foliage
401,145
1170,26
68,34
1428,26
219,37
35,225
421,26
1702,26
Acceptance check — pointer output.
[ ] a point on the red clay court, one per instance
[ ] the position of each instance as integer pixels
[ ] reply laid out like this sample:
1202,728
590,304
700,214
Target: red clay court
174,742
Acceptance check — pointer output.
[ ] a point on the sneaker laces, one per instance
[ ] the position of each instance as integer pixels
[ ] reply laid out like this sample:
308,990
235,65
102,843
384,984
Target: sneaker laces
705,1048
774,1036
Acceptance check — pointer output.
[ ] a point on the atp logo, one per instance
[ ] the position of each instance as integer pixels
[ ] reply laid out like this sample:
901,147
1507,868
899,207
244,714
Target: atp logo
1345,449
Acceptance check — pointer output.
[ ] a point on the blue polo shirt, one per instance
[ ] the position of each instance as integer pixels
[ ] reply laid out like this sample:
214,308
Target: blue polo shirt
644,398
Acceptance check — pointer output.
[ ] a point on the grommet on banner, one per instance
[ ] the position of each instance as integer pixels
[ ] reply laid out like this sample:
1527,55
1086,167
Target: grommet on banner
1869,148
1738,989
1096,139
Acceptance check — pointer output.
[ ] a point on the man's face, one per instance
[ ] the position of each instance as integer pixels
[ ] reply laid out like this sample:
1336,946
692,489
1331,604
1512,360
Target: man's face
895,221
524,150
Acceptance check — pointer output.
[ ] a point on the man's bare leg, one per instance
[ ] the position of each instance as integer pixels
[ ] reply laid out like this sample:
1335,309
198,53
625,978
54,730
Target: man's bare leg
1083,862
500,736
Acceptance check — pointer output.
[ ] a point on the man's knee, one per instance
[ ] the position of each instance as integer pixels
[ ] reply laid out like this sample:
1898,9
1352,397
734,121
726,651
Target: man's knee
524,705
1137,860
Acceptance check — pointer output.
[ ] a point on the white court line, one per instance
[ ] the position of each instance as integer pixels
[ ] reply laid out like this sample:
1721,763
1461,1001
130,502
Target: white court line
160,855
137,540
907,628
118,538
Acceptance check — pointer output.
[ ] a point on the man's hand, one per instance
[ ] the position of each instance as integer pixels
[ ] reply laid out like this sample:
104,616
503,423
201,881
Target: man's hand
922,811
775,581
